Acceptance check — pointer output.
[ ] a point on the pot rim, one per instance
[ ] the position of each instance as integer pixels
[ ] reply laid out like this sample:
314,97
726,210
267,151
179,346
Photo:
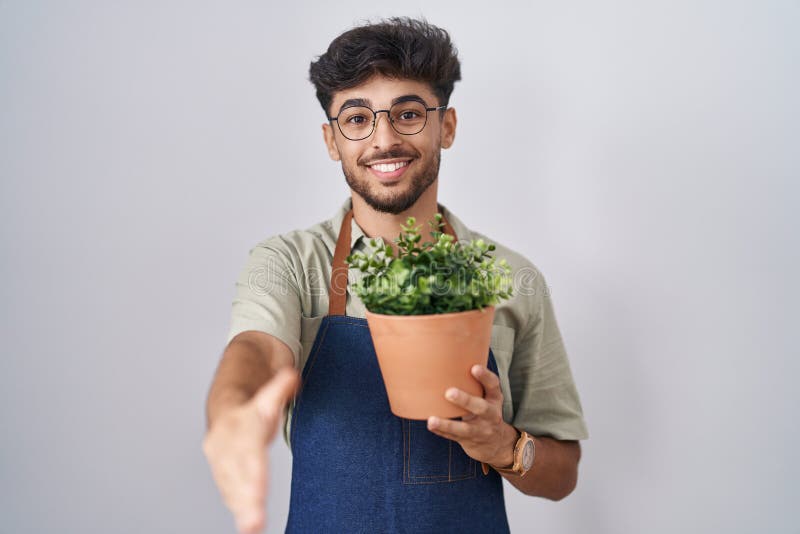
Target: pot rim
432,316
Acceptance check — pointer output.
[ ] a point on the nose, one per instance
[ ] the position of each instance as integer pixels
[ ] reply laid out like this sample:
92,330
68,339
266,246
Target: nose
384,135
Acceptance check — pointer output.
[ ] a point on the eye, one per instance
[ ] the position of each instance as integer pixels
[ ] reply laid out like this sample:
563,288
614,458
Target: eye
409,115
356,120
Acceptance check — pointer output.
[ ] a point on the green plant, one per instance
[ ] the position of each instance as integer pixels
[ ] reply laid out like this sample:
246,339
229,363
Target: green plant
442,276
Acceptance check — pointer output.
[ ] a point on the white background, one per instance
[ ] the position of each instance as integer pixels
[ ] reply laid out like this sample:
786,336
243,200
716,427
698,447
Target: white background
644,155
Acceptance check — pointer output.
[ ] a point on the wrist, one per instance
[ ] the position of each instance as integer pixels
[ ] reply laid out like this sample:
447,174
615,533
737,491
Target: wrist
505,454
221,402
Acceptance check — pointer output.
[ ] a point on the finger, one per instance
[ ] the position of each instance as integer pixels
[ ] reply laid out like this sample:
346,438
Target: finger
271,398
455,430
244,504
247,509
489,381
249,496
473,404
242,483
251,522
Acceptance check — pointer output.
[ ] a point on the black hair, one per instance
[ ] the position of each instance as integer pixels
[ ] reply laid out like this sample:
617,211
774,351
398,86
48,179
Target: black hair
398,47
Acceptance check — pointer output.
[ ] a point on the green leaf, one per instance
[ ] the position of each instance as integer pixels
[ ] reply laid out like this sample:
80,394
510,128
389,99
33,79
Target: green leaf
441,276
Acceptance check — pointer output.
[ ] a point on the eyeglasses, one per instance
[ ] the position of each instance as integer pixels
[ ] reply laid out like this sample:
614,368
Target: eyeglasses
407,118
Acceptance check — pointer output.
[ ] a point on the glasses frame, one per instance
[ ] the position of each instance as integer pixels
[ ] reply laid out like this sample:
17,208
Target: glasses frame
388,116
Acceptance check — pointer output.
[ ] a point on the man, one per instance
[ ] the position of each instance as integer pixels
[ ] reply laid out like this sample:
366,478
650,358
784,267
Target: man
365,470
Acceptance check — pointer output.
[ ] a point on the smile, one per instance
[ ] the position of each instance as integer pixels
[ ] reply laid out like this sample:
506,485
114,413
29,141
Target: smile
388,167
389,171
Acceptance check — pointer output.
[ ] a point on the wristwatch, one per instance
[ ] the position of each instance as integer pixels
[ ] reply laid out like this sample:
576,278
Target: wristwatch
524,453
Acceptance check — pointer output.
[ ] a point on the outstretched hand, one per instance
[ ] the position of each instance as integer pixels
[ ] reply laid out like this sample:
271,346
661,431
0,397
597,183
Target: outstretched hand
235,449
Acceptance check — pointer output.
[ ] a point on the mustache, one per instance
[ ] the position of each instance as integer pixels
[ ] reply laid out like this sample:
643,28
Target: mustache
391,154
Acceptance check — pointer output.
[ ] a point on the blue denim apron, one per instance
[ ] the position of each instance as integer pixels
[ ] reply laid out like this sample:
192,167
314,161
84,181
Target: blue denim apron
357,467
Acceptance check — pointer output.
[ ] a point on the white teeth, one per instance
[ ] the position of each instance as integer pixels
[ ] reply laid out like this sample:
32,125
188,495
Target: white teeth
389,167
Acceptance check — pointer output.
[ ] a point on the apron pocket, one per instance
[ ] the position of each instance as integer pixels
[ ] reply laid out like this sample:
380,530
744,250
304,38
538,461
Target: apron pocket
430,459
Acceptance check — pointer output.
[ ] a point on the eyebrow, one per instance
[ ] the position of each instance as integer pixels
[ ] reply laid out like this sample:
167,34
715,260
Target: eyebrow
409,98
351,102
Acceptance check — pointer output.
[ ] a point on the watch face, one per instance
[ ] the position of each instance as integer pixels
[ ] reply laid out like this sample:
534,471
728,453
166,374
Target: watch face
527,456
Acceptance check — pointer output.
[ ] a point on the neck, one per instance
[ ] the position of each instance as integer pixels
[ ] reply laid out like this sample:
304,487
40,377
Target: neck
387,225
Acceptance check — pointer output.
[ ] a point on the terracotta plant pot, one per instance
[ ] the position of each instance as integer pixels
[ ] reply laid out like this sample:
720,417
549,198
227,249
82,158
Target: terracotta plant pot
421,356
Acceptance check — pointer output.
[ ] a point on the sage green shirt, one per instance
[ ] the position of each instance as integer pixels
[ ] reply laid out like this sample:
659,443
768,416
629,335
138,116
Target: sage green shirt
283,291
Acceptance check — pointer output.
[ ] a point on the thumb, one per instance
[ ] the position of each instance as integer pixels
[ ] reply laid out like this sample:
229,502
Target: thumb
271,398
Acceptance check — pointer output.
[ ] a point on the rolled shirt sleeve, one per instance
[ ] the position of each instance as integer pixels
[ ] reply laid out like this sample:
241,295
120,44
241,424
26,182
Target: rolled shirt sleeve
267,297
545,399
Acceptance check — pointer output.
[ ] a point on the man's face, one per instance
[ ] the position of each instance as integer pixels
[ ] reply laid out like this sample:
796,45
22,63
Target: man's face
387,169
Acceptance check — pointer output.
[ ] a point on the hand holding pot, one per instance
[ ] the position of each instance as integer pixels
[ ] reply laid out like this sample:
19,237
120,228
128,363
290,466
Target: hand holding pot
235,450
482,433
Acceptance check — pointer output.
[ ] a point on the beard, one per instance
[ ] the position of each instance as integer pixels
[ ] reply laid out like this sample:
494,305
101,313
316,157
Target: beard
390,199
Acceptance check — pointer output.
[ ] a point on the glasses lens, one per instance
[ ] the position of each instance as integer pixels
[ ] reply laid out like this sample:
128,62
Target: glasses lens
356,122
408,117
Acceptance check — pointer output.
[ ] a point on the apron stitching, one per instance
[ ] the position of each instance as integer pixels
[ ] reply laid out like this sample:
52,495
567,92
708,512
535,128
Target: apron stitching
305,379
313,357
449,459
406,472
350,322
436,479
408,464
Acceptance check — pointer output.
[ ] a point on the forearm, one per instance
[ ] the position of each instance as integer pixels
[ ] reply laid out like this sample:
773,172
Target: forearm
244,367
555,469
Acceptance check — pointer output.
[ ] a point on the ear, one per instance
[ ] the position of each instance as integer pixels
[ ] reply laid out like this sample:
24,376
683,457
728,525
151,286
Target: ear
330,142
449,127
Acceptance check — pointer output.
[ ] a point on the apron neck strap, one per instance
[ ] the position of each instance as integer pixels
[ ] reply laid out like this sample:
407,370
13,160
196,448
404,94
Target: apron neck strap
337,294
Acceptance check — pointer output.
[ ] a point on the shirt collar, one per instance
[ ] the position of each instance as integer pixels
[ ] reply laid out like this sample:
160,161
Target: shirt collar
356,233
